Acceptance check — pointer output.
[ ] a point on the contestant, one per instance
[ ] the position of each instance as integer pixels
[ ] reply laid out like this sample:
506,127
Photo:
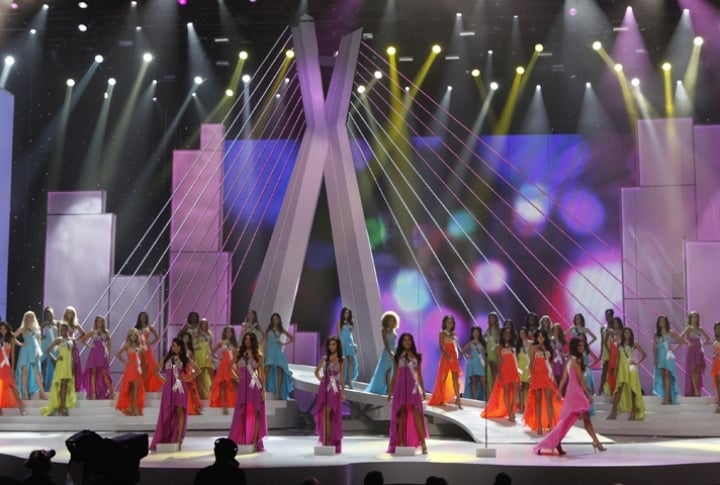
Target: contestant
148,338
716,364
578,328
576,404
380,380
696,339
407,421
475,373
492,336
665,382
249,422
546,324
76,333
447,381
543,406
628,394
194,404
278,378
558,342
252,325
588,366
504,397
604,353
48,332
613,341
131,399
97,367
27,368
202,342
9,394
62,392
223,391
532,323
192,323
172,419
346,325
523,346
330,397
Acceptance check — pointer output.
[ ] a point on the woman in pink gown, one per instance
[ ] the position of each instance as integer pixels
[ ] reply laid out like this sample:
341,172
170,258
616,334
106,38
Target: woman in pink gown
328,410
576,404
407,392
249,422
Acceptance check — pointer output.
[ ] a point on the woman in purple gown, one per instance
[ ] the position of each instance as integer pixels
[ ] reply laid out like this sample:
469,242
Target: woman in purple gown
98,382
172,420
249,423
696,339
576,404
328,410
407,392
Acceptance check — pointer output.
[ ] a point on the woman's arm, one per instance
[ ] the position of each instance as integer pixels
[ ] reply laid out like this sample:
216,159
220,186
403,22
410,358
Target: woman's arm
155,335
290,338
118,355
319,366
195,368
84,338
591,336
392,381
707,337
420,379
466,348
441,344
54,344
342,380
680,341
641,351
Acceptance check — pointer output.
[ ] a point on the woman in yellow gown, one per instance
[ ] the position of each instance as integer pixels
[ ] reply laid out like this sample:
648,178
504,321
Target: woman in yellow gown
62,389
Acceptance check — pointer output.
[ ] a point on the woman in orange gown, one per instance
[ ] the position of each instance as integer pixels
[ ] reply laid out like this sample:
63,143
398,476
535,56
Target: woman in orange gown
131,399
504,398
9,394
542,387
449,366
613,338
148,337
194,403
223,391
715,372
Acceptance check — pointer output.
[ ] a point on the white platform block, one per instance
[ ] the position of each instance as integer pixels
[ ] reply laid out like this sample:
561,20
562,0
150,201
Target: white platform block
167,448
324,450
405,451
246,449
486,452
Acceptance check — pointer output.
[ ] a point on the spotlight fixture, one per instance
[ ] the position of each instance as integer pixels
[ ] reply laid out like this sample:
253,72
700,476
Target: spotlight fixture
133,3
154,82
82,28
588,85
70,82
112,81
378,75
9,60
618,67
490,52
229,93
198,80
391,51
45,6
449,88
407,89
666,66
361,89
436,49
686,11
475,73
246,78
458,15
698,41
82,4
277,96
520,70
539,48
287,80
243,55
597,45
106,95
33,31
99,59
189,25
14,5
537,87
494,86
635,82
154,99
194,94
138,28
289,53
629,8
147,57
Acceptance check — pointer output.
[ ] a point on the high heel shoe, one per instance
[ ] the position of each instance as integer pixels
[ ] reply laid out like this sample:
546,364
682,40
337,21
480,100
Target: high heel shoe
560,450
599,447
458,403
424,449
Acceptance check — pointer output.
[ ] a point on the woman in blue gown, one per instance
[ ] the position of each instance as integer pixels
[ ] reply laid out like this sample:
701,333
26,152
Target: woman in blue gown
345,331
278,378
383,370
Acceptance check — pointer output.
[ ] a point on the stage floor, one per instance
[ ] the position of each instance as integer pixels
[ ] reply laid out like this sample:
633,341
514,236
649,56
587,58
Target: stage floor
290,459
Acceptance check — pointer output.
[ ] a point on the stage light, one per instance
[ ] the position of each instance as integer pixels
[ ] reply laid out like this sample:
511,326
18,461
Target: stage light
112,81
686,11
194,94
597,45
70,83
539,48
246,78
537,87
82,4
618,67
229,93
138,28
588,85
666,66
182,2
698,41
458,15
475,72
407,89
378,75
361,89
9,60
189,25
82,28
33,31
449,88
635,82
154,99
14,6
628,8
436,49
494,86
147,57
679,82
490,52
520,70
289,53
106,95
45,6
391,51
243,55
287,80
572,11
277,96
99,59
133,3
198,80
154,82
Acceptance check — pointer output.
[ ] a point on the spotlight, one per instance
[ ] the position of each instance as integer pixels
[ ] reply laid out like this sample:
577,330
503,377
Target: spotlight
494,86
14,6
198,80
629,8
572,11
520,70
596,45
243,55
82,28
539,48
133,3
229,93
289,53
391,51
9,60
436,49
106,95
698,41
588,85
407,89
490,52
154,82
112,81
82,4
246,78
378,75
33,31
361,89
449,88
147,57
45,6
277,96
70,83
287,80
194,94
537,87
475,72
666,66
138,28
99,59
635,82
189,25
154,99
686,11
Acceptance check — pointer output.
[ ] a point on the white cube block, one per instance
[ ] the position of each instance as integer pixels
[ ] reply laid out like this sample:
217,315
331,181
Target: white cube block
485,452
324,450
167,448
405,451
246,449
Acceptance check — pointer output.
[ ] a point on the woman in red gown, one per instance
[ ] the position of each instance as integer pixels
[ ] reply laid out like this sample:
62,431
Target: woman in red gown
447,382
543,404
131,398
504,398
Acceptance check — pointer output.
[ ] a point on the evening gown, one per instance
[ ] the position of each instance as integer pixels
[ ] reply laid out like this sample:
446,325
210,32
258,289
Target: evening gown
406,397
152,382
715,372
378,384
132,373
329,396
174,395
7,381
665,359
349,349
249,416
63,371
277,362
49,334
224,375
541,379
694,359
204,360
629,376
443,391
508,374
98,359
29,357
575,404
475,368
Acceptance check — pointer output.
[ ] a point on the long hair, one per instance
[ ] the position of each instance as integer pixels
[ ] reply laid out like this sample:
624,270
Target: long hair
715,329
449,318
619,321
74,322
519,342
8,334
581,317
658,328
481,338
385,319
560,333
254,317
349,318
631,339
138,344
513,337
34,326
193,315
182,355
546,341
233,338
139,322
693,314
254,347
531,316
189,345
48,316
339,349
104,327
270,325
574,342
400,350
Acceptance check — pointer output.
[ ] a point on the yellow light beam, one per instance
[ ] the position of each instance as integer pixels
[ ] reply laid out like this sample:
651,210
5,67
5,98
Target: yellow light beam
669,101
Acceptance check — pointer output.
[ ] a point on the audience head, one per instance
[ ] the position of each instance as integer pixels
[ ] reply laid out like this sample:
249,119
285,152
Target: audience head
433,480
374,478
225,450
503,479
39,461
310,481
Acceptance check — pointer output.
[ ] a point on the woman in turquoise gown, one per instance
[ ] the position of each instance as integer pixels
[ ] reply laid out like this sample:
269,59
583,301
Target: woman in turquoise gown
383,370
346,325
665,381
278,378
